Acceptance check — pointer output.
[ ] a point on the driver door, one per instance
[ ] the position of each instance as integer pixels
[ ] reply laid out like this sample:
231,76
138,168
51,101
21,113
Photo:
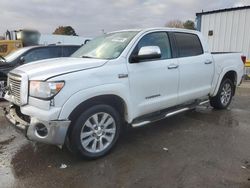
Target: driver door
153,82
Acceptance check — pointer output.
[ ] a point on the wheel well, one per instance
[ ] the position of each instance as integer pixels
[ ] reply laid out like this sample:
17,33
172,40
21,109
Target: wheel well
113,100
232,75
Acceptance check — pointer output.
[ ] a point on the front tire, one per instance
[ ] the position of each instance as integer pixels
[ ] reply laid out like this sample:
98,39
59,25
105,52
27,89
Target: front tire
224,96
96,131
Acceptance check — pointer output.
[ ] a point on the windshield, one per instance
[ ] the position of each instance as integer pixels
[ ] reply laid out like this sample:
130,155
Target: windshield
108,46
13,55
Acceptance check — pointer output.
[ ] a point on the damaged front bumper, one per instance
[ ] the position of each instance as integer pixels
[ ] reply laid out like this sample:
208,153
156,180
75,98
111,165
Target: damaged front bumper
50,132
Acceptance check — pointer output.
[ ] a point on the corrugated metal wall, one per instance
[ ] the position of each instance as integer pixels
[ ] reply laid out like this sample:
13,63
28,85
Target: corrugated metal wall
231,31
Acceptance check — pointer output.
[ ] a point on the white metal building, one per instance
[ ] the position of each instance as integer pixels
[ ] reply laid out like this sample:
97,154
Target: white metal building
227,30
62,39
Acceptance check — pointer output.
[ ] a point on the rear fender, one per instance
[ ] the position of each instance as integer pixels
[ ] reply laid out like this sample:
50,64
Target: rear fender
220,78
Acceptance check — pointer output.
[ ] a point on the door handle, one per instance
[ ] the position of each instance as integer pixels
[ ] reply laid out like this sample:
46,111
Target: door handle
173,66
122,75
208,62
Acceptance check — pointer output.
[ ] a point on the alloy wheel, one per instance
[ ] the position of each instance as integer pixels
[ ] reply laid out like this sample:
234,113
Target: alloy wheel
226,93
98,132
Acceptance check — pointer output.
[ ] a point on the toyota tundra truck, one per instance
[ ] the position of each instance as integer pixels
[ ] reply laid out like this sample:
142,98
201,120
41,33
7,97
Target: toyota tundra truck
123,78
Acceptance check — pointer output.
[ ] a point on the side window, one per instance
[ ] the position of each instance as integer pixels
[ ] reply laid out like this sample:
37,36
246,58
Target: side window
69,50
159,39
42,53
188,44
55,51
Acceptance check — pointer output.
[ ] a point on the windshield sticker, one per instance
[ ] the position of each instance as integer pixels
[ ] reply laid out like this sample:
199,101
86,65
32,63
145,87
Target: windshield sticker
119,39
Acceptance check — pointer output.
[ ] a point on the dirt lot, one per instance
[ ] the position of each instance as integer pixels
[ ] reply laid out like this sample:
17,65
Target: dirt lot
201,148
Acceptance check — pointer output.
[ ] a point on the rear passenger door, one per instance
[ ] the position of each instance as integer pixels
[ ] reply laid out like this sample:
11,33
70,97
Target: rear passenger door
195,66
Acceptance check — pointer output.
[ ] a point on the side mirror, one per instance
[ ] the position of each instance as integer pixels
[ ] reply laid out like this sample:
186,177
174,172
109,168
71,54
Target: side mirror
147,53
22,60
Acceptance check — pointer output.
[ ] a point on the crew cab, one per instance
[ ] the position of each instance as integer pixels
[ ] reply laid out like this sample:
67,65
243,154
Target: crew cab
129,77
31,54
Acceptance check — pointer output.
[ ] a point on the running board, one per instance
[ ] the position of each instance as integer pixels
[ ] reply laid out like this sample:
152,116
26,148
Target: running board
165,114
177,112
204,102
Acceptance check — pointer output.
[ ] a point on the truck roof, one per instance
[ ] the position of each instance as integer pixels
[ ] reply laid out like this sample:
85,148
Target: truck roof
159,29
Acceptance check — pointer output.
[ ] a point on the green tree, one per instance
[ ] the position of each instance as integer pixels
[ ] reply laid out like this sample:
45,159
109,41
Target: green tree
189,24
65,30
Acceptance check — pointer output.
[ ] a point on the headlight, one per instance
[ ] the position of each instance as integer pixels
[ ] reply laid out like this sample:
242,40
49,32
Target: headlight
44,90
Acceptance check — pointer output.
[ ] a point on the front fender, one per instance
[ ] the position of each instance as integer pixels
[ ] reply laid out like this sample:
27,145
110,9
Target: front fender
83,95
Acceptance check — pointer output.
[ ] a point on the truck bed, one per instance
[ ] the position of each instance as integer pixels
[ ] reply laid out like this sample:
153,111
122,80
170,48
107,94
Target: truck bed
226,60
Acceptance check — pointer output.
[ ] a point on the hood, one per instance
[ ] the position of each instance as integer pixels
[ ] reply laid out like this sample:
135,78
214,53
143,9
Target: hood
42,70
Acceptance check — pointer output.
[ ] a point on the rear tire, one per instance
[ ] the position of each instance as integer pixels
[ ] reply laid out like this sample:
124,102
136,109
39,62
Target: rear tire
224,96
95,132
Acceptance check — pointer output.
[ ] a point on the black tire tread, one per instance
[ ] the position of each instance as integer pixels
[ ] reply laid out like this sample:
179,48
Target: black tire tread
215,101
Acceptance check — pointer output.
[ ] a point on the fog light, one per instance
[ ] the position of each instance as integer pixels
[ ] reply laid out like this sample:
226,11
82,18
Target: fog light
41,130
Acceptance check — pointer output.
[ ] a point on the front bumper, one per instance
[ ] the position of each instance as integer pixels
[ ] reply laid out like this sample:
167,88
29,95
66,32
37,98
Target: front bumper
56,131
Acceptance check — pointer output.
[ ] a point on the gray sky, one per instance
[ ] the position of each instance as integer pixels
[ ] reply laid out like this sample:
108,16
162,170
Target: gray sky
89,17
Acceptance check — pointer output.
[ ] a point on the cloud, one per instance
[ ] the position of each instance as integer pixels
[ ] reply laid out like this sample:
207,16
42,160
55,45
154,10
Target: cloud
90,17
155,8
123,3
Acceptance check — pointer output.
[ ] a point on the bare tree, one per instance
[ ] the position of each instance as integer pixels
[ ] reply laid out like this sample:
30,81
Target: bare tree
175,23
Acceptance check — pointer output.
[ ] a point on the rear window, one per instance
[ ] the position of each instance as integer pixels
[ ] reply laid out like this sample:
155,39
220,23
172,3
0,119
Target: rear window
188,44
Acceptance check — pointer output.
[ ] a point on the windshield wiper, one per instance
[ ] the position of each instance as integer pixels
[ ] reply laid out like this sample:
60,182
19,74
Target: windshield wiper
3,58
84,56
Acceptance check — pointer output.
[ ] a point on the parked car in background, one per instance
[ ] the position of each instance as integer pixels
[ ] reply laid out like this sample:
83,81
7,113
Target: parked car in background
30,54
130,77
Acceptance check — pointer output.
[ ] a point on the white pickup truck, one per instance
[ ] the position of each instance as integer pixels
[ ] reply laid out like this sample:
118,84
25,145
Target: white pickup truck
129,77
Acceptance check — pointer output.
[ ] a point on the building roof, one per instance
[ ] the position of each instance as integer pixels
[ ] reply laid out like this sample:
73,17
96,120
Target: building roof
223,10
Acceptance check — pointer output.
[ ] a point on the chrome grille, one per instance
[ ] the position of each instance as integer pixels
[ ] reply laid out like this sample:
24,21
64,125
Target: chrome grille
14,84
